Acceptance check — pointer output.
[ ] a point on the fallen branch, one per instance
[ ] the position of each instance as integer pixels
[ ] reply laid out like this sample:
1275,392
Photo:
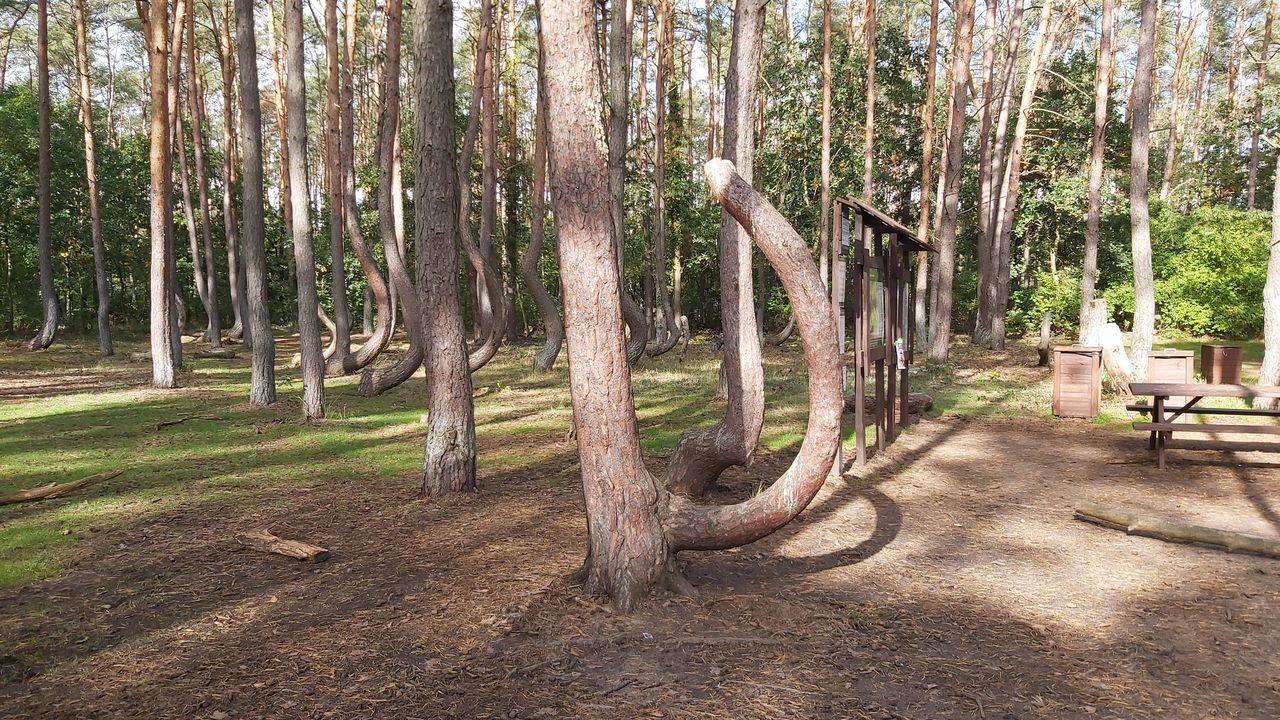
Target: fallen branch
264,541
53,490
1169,531
169,423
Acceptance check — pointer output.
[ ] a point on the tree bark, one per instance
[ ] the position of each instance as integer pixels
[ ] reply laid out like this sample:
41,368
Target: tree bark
668,335
1144,314
312,350
91,179
1269,374
981,333
1174,145
704,453
48,294
1097,146
548,313
940,323
449,463
824,201
926,177
262,387
155,29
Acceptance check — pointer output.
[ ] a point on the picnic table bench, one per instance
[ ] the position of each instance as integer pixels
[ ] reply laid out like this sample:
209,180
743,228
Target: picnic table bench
1162,425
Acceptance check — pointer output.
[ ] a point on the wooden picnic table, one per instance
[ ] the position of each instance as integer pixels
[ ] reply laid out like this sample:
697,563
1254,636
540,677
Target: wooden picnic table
1162,426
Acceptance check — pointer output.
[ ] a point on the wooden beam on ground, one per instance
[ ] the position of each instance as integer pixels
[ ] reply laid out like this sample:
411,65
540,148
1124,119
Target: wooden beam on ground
1169,531
264,541
53,490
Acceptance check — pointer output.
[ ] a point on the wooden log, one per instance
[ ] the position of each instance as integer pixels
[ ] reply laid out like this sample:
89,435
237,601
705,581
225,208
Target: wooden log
264,541
53,490
215,354
1170,531
140,357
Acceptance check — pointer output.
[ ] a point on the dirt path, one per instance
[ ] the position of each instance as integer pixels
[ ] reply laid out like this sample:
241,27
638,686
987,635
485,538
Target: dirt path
947,581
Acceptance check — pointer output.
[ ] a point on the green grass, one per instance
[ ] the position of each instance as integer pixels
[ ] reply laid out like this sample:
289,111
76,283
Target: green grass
86,415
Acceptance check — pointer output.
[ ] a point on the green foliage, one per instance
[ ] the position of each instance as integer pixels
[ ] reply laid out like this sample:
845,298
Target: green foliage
1210,267
1058,295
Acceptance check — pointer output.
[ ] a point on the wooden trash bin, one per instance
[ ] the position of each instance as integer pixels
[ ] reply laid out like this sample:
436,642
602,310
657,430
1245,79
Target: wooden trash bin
1077,381
1220,364
1172,366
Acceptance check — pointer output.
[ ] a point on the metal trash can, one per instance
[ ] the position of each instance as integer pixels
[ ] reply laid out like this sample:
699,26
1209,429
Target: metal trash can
1172,366
1077,381
1220,364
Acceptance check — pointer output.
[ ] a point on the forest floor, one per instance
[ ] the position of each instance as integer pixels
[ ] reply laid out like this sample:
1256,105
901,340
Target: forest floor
946,579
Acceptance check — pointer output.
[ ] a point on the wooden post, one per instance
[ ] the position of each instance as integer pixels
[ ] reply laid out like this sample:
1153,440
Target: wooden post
838,275
891,334
904,297
1159,437
860,342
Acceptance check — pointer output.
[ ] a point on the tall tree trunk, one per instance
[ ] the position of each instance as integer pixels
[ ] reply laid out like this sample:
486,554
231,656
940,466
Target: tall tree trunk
262,386
230,214
449,464
667,337
990,244
334,178
282,119
1255,133
156,28
1144,304
703,454
390,209
982,325
1202,78
91,179
1097,146
869,126
620,32
195,101
824,201
312,351
926,176
999,278
1235,56
178,321
548,313
961,47
1269,374
635,527
1175,108
48,294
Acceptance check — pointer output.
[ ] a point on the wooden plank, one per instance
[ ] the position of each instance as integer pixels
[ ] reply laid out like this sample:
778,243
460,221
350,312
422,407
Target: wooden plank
1202,410
1208,428
1205,390
860,341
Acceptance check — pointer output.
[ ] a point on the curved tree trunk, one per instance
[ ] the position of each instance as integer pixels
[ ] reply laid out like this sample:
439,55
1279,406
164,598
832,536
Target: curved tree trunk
1097,146
190,218
303,253
450,457
620,29
784,334
635,526
667,336
491,305
545,357
704,453
262,387
91,179
195,105
379,380
334,178
1144,303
